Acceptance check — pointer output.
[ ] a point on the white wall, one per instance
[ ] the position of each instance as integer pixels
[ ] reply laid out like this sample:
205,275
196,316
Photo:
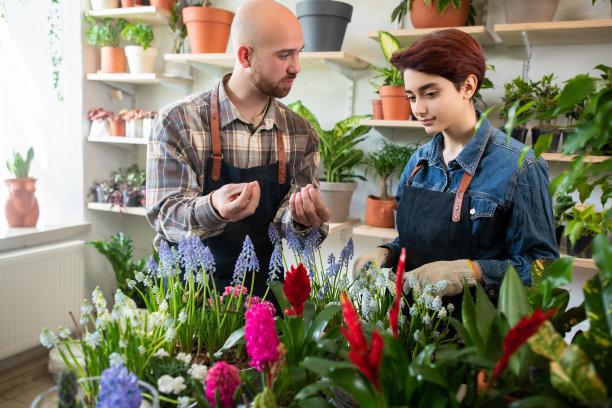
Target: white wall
66,166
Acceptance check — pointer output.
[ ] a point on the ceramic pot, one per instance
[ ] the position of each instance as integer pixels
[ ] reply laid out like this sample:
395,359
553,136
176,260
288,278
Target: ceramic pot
427,16
394,103
99,128
323,23
537,132
104,4
133,128
582,248
147,125
21,208
139,60
529,11
112,60
337,197
377,109
117,127
519,133
131,3
380,213
208,28
164,4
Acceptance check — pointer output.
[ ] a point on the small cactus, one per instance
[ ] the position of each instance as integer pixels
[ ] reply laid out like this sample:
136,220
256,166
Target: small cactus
67,389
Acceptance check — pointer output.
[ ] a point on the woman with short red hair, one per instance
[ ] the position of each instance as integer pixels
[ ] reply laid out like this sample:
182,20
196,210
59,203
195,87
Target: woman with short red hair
466,209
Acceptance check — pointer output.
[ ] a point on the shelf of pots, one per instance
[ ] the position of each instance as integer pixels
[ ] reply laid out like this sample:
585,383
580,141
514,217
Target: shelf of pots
153,16
138,79
556,32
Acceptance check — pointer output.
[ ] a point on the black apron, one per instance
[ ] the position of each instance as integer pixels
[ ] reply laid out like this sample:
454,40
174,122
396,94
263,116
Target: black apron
274,186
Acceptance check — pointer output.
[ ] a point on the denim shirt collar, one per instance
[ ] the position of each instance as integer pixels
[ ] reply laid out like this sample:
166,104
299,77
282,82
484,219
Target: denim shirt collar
470,156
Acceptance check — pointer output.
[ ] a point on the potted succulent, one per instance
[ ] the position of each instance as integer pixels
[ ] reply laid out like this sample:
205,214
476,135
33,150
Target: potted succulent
395,105
388,160
208,28
546,94
99,122
141,57
21,208
117,123
106,35
340,158
323,23
434,13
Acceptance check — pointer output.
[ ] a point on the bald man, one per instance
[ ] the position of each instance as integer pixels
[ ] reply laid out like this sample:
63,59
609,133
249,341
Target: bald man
226,163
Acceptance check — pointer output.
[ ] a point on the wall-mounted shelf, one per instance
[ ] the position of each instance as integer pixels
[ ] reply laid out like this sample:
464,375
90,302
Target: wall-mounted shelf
391,123
139,79
119,141
153,16
406,36
376,232
557,32
115,208
558,157
339,226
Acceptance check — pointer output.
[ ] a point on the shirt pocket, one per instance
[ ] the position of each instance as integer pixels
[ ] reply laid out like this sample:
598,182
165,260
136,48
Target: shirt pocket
482,215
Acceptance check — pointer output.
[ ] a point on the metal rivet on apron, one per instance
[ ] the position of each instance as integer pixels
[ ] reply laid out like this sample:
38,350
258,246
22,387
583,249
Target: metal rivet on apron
473,211
456,207
455,217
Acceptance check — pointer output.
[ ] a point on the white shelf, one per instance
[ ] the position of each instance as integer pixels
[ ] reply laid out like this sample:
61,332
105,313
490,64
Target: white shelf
376,232
557,32
118,140
407,36
115,208
153,16
339,226
308,60
138,79
392,123
558,157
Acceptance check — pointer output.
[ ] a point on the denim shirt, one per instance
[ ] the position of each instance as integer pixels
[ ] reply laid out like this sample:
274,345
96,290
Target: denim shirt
510,206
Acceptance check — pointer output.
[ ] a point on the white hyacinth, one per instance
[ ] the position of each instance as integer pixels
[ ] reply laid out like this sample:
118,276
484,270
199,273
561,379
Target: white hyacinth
63,332
182,318
161,353
198,372
184,357
142,350
131,284
140,277
116,358
48,338
93,339
168,385
183,402
170,335
86,307
98,300
123,343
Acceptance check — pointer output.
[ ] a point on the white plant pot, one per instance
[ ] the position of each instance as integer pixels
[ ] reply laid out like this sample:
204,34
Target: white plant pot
133,128
140,61
147,125
104,4
99,128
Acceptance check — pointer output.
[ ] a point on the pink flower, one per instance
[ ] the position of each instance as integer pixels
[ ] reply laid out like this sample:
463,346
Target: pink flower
224,378
261,337
235,290
256,300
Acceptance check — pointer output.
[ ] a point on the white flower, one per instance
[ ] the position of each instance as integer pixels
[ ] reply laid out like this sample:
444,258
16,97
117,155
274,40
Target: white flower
442,312
436,305
401,320
412,280
436,334
413,310
169,322
426,320
140,277
165,384
381,282
198,372
63,332
157,318
184,357
440,286
84,319
93,339
178,385
416,335
163,306
183,402
116,358
98,299
123,343
48,338
148,282
182,318
161,353
450,307
130,283
142,350
86,307
170,335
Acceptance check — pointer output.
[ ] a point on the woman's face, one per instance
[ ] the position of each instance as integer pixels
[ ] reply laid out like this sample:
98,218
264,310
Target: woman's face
434,100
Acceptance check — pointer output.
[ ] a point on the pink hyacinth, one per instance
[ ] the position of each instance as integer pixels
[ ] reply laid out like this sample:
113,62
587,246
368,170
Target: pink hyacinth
261,336
235,290
255,300
224,378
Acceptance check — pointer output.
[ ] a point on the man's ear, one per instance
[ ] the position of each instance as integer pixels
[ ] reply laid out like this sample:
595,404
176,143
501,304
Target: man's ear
245,54
469,86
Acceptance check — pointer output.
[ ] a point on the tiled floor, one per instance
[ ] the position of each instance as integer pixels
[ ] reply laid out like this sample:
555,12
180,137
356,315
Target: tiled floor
20,385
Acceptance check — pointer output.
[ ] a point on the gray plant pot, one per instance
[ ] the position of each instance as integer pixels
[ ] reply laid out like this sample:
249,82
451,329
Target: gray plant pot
337,197
323,23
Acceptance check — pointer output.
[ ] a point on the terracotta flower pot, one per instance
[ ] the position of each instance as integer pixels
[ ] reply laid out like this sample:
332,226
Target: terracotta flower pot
208,28
131,3
117,127
379,212
394,103
377,109
164,4
423,16
21,208
112,60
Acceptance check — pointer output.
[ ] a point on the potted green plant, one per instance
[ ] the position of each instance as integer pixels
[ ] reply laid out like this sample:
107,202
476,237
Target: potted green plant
21,208
388,160
99,122
208,28
99,190
546,94
561,204
518,92
395,105
140,57
340,158
323,23
106,35
583,225
434,13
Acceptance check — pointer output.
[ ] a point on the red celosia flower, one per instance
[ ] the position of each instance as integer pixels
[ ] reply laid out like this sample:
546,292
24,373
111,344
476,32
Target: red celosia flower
399,285
297,289
517,336
367,360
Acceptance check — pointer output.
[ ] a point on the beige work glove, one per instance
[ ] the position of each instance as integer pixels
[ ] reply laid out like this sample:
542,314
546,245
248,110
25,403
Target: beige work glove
453,272
381,256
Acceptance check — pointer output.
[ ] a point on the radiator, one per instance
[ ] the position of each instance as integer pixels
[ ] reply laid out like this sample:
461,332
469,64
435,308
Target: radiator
38,287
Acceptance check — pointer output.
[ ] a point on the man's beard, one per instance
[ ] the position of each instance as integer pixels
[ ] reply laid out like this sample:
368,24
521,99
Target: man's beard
270,88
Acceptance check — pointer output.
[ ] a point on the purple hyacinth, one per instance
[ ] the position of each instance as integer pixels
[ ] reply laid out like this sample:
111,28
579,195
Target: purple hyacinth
294,242
247,260
334,268
207,260
188,257
152,266
347,253
119,389
166,261
275,237
276,263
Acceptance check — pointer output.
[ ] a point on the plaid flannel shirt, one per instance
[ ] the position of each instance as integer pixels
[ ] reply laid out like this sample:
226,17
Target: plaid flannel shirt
180,143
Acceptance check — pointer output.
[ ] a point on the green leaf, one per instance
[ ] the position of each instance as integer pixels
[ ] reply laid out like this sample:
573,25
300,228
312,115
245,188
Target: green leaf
602,254
389,44
485,310
312,389
543,144
231,341
542,401
277,289
513,301
321,321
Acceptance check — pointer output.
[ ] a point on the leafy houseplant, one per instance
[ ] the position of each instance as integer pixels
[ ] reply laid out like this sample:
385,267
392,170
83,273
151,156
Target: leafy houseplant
399,12
545,93
106,35
20,167
140,33
583,224
518,93
21,209
141,57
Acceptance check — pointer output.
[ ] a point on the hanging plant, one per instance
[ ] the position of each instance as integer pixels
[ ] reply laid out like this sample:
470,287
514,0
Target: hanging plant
56,45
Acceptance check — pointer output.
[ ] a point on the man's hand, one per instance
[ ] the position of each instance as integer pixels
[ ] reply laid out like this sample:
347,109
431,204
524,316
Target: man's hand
236,201
453,272
307,208
381,256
